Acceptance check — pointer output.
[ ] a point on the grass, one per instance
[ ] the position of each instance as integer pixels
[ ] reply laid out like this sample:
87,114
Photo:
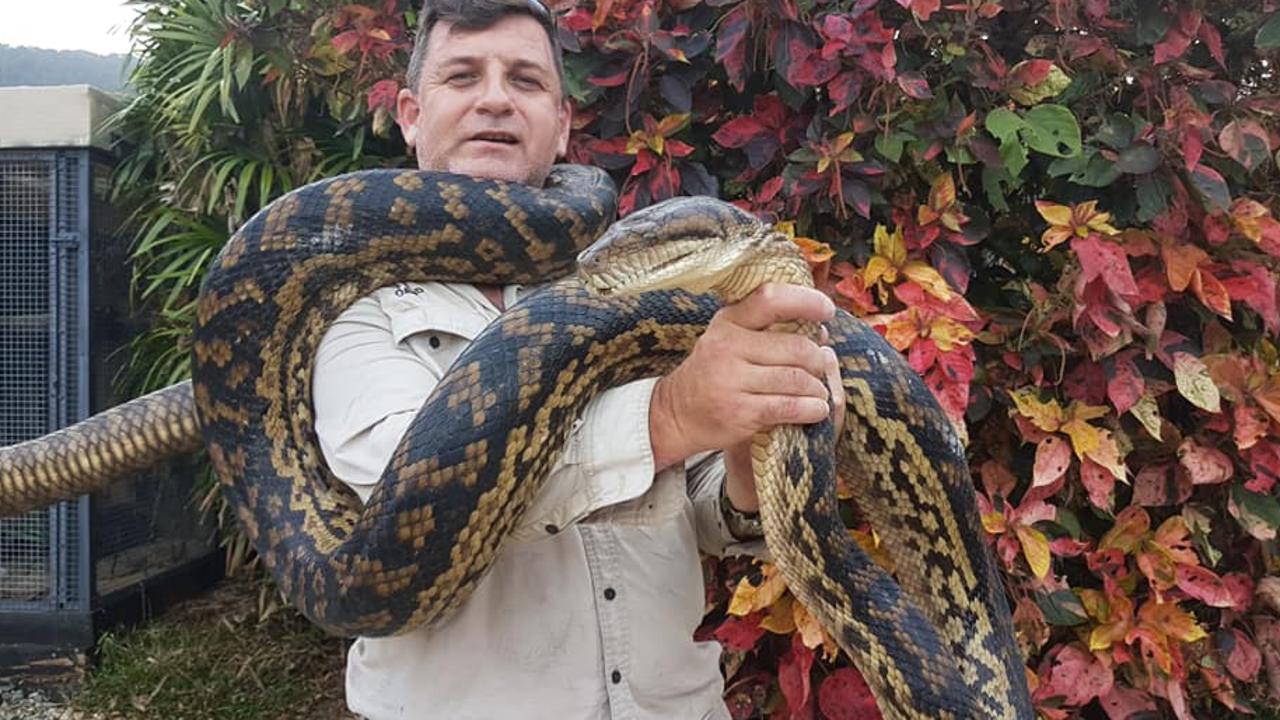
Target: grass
217,658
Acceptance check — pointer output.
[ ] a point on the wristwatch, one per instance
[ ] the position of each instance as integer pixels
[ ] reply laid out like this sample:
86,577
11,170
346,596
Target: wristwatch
742,525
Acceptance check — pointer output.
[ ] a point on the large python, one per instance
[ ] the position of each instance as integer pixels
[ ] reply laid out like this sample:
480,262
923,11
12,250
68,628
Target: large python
934,640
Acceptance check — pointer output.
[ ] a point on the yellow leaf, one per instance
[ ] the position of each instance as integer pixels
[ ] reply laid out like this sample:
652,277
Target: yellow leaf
890,245
1083,411
843,140
1084,437
807,625
781,616
815,253
1087,212
900,329
1114,616
1054,214
1107,454
1171,620
637,140
879,269
949,334
1148,413
1192,378
850,155
748,598
1035,547
942,192
871,545
926,277
993,523
671,124
823,163
744,597
1047,416
1053,237
1130,528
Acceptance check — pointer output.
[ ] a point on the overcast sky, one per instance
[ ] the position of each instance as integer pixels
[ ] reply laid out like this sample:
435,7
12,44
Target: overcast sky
93,25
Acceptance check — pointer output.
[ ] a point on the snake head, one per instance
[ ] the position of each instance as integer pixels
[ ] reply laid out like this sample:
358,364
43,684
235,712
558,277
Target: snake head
697,244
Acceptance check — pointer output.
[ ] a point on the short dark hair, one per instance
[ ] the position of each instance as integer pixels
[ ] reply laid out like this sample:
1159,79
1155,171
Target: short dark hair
478,15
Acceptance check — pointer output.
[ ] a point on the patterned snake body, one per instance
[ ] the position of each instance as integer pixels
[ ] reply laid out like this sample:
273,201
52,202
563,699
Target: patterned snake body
934,640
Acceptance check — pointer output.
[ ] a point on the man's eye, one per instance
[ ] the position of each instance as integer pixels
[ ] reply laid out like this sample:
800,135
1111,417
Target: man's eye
461,77
529,82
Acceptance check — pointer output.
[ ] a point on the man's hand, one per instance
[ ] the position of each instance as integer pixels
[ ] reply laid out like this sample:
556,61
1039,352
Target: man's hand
741,379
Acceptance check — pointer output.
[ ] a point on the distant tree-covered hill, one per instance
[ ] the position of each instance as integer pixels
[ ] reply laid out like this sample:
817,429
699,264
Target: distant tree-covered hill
36,66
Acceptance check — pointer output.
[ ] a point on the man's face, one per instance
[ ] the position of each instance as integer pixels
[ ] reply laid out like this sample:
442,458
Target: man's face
489,103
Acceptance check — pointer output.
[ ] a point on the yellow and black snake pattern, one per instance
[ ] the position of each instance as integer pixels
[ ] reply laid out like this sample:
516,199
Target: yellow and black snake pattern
934,640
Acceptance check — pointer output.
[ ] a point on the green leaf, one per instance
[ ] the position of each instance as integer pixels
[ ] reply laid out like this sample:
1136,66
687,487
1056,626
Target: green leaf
993,182
1069,166
1153,22
1116,132
1139,159
1098,172
890,145
1212,186
803,155
1004,124
1052,130
1061,608
1014,155
244,65
1067,520
1153,196
1258,514
1268,36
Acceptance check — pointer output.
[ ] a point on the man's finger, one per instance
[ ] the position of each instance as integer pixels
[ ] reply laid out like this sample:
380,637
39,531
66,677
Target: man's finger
836,385
783,380
783,349
773,303
770,410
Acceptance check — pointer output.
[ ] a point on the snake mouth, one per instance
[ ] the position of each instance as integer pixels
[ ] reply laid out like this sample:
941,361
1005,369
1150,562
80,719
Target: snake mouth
615,270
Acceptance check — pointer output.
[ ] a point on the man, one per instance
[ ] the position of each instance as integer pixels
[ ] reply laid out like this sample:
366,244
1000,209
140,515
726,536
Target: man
589,611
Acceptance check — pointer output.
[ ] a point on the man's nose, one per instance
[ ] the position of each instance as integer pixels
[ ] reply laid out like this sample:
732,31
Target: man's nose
495,96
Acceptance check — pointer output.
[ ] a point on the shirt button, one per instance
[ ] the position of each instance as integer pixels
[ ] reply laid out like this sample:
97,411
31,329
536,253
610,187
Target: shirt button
610,593
551,529
434,342
616,677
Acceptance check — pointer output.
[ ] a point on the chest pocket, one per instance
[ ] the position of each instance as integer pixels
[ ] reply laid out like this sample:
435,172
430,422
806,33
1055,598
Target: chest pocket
432,321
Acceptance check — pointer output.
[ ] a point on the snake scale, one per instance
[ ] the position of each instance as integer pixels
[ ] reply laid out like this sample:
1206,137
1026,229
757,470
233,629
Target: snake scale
933,640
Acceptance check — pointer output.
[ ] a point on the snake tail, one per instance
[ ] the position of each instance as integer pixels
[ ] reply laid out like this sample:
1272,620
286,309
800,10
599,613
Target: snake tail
85,457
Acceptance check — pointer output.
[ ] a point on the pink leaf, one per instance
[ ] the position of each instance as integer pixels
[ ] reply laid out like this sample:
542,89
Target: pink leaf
1053,457
1123,703
1125,385
844,695
1099,482
1243,660
1077,677
915,86
1204,465
793,678
1204,585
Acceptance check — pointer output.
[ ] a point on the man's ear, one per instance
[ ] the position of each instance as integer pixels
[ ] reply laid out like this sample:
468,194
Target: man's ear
407,110
566,126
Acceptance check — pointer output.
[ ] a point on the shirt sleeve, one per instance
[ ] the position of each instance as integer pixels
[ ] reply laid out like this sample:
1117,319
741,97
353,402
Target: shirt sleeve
705,475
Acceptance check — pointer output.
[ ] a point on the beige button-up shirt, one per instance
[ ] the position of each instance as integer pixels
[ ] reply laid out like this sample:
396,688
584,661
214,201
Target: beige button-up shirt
589,611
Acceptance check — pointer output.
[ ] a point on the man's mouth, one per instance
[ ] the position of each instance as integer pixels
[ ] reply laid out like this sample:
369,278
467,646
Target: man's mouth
503,138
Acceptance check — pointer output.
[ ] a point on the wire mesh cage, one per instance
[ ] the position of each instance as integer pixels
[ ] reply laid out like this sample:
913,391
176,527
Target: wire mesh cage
64,320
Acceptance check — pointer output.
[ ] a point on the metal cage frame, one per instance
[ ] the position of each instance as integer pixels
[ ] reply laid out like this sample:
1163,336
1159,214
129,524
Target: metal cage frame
49,633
